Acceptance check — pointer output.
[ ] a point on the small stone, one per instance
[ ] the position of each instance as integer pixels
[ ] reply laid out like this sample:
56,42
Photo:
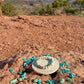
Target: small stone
49,82
34,58
39,81
28,61
24,58
62,80
20,73
69,80
13,81
35,80
25,64
19,79
61,67
66,63
11,70
23,75
72,75
60,72
53,81
62,64
48,55
58,59
66,71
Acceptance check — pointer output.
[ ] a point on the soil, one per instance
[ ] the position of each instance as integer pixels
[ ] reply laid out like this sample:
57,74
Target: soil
28,36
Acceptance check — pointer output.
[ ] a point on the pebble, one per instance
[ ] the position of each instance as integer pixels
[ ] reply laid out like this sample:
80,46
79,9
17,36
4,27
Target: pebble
23,76
48,55
53,81
11,70
60,72
24,58
25,64
58,59
66,63
35,80
62,80
13,81
39,81
49,82
66,70
69,80
20,73
34,58
72,75
28,61
19,79
61,67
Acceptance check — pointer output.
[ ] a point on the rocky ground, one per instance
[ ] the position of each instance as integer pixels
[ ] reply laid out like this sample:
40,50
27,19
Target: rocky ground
28,36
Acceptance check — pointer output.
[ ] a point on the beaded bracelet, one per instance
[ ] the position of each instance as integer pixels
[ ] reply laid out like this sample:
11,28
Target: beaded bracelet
47,66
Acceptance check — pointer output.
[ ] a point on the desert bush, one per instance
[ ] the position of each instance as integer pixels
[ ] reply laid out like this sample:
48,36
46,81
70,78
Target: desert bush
8,9
72,11
56,8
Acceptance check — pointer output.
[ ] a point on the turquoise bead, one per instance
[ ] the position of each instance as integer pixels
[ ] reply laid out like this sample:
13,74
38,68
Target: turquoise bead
39,81
49,82
28,61
11,70
23,76
69,80
62,64
60,72
58,59
48,55
53,81
34,58
35,80
61,67
13,81
19,79
24,58
66,63
25,64
20,73
72,75
62,80
66,71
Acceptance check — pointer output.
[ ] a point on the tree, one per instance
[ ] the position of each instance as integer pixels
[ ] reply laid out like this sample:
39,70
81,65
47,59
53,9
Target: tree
8,9
56,4
67,4
81,4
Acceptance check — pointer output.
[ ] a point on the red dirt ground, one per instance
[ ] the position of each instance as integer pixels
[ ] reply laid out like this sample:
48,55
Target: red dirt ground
28,36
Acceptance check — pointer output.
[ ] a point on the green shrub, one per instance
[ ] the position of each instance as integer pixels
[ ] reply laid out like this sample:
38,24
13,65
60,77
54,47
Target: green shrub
8,9
56,8
71,11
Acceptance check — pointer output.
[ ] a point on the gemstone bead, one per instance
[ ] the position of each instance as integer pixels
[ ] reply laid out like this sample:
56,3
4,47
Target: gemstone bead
72,75
13,81
19,79
62,80
35,80
11,70
69,80
60,72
